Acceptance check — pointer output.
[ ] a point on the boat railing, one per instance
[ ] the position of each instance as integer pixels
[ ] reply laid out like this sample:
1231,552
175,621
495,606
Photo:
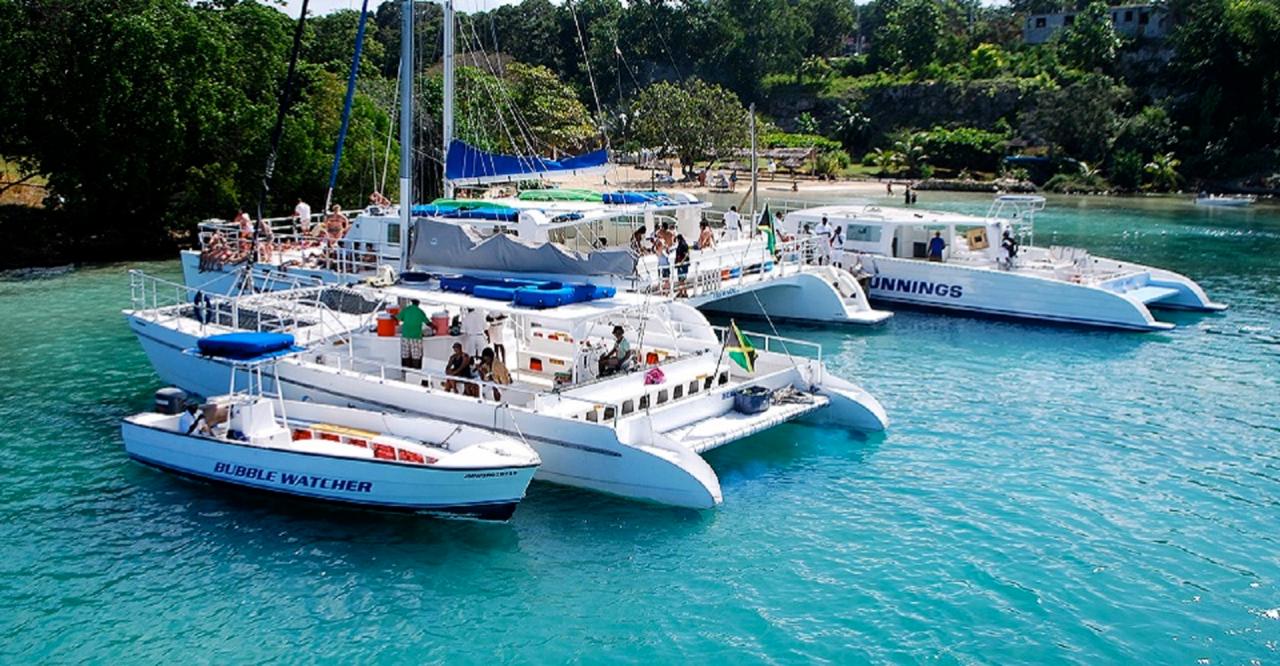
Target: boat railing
774,343
508,394
720,271
280,311
221,243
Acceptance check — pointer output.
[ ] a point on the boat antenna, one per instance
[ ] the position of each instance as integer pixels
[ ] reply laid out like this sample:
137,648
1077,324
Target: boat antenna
346,107
447,114
754,196
406,129
286,97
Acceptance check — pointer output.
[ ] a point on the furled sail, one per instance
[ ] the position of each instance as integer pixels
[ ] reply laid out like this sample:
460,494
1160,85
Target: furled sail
468,165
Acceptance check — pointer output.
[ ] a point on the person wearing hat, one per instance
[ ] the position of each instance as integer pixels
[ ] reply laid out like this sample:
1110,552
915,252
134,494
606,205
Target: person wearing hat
612,361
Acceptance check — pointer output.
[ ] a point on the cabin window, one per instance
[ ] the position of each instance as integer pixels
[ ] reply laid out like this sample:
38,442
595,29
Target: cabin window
706,383
724,378
644,402
662,396
693,387
1040,21
677,392
628,406
1128,16
1143,18
1068,19
862,233
609,412
393,233
593,416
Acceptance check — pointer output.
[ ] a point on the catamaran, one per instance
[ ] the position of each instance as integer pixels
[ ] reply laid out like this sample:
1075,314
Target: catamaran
976,274
539,234
686,386
351,457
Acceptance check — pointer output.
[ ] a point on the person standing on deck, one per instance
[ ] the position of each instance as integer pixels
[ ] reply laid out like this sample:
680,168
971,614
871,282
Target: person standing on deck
936,246
302,218
732,224
824,233
837,247
335,227
475,326
412,319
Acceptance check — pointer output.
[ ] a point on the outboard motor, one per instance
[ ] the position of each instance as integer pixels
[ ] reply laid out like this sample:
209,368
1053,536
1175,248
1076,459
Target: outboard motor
170,400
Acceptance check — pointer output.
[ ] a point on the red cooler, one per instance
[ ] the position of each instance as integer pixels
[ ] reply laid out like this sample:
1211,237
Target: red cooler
440,323
386,325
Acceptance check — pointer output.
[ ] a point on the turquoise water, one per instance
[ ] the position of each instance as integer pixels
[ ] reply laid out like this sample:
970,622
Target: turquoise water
1045,495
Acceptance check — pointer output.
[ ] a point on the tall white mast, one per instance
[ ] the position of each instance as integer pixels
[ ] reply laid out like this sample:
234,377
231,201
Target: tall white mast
447,115
406,129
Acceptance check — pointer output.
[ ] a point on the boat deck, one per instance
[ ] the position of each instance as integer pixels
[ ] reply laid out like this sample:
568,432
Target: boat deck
711,433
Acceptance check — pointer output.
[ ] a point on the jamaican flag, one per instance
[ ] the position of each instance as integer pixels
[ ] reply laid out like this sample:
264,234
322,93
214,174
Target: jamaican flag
743,354
765,225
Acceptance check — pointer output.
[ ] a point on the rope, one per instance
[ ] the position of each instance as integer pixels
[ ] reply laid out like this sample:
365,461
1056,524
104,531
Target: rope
590,77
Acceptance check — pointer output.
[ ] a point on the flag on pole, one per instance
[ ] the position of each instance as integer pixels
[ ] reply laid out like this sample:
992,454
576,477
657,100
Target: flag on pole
743,354
765,225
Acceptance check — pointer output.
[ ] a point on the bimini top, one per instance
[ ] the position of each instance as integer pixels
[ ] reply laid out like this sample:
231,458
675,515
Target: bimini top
569,315
468,165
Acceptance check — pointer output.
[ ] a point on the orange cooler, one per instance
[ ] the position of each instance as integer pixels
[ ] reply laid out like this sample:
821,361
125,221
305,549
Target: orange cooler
386,325
440,323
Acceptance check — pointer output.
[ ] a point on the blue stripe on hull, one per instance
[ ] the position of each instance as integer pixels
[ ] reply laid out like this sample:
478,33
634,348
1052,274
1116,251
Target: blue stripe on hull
497,511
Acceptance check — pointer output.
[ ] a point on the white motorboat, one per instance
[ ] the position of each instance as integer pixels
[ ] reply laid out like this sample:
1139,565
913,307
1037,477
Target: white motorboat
1226,200
976,275
346,456
638,433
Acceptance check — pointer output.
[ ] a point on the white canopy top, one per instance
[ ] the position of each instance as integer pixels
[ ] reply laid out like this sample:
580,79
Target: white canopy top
873,214
569,316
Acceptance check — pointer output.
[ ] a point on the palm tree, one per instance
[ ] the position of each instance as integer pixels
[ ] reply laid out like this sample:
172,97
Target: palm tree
885,160
910,149
1163,170
1089,175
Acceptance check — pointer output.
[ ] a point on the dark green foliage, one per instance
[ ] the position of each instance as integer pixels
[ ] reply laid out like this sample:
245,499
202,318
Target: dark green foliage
965,148
1126,170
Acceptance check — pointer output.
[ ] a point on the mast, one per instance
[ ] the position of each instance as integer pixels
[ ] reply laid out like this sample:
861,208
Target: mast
752,111
406,129
447,115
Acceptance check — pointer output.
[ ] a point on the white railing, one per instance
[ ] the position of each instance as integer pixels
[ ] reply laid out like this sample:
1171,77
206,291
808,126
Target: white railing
221,242
708,274
772,341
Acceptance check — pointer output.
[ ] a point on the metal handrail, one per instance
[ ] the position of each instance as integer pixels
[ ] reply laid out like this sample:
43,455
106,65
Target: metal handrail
768,339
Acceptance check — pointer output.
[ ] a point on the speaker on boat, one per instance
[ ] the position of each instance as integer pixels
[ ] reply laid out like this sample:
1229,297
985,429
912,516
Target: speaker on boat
170,400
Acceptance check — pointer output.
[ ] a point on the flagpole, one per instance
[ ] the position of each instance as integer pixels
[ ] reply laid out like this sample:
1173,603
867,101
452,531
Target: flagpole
752,111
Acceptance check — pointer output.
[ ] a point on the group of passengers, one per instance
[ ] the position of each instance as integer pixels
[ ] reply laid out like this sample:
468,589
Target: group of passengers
482,358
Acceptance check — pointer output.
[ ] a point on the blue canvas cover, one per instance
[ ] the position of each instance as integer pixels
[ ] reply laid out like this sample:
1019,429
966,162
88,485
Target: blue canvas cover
467,164
246,345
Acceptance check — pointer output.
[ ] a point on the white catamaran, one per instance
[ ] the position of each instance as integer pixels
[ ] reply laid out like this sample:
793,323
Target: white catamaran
976,274
684,388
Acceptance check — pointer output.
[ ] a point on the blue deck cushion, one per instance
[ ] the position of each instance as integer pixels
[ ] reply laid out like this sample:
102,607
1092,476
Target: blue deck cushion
244,346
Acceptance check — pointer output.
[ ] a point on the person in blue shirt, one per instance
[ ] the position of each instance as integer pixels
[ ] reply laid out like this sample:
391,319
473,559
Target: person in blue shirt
936,245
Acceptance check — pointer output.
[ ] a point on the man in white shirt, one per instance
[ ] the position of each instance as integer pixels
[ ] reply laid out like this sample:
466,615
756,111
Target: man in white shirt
475,326
732,224
302,216
823,232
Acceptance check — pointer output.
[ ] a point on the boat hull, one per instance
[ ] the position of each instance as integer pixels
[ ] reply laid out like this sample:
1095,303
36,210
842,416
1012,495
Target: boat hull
989,292
490,493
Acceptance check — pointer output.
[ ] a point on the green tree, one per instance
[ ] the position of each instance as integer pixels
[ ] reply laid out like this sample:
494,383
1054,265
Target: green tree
1163,171
986,61
909,151
1081,119
1126,170
885,161
694,121
831,22
1090,42
910,35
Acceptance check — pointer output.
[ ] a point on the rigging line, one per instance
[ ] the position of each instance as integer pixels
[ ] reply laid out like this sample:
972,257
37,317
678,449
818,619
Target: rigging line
391,130
286,96
487,86
522,123
586,60
346,105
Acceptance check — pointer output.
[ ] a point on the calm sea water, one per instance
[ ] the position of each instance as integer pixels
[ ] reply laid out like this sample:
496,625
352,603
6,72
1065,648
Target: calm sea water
1045,495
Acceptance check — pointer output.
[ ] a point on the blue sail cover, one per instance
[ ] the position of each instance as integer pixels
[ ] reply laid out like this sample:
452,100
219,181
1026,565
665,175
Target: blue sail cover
467,165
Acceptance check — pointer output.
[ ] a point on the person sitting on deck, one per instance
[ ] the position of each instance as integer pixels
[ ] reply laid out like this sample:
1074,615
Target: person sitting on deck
706,239
936,246
493,370
614,359
192,421
377,200
459,365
